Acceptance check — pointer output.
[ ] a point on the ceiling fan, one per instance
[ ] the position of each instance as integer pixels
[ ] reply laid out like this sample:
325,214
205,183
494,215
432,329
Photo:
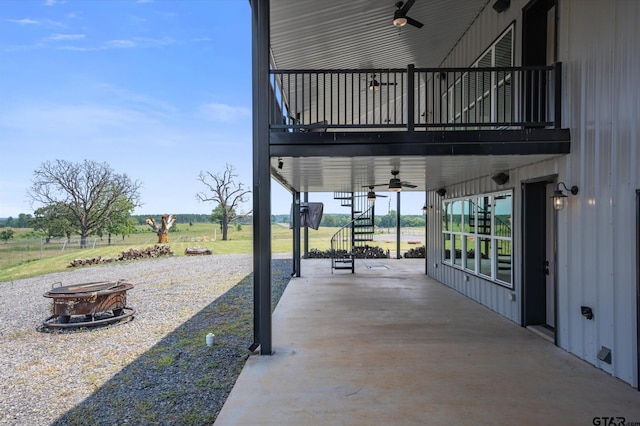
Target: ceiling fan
375,84
371,195
400,18
395,184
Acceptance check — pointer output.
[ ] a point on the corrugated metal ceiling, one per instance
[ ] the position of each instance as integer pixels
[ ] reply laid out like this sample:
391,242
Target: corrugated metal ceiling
309,34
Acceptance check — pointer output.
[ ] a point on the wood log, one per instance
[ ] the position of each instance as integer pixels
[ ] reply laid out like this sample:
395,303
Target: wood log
197,251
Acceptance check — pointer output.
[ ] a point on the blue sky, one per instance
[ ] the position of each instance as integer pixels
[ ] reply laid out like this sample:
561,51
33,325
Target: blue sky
159,89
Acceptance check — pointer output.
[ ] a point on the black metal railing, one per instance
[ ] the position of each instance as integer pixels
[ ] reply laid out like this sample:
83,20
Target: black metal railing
344,241
416,98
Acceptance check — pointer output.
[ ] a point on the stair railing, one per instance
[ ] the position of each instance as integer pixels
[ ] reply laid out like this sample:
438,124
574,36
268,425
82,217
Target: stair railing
343,242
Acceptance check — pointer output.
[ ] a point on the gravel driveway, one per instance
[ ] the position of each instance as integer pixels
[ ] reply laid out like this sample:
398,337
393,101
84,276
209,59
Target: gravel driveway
155,369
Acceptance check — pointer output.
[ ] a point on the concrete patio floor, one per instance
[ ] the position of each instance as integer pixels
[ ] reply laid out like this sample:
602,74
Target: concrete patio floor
394,347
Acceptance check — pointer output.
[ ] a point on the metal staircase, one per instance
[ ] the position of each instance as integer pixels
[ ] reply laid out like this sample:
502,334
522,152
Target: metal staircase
357,232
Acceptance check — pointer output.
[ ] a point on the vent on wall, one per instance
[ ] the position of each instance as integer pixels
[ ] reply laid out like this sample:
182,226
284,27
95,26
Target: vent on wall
605,355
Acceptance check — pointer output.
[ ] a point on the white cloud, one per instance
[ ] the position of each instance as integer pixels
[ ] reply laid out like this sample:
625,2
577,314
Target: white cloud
24,21
137,42
66,37
120,44
224,113
139,100
77,48
53,2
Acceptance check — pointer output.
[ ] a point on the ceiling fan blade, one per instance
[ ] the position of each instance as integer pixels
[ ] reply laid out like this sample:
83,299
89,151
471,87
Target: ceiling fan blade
388,84
383,196
405,8
415,23
409,185
377,184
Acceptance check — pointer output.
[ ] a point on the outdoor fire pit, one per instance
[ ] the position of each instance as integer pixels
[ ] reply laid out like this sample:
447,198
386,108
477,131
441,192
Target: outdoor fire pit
89,304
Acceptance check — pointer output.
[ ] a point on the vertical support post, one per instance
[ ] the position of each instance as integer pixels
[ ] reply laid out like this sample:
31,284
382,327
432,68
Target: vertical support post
296,234
306,229
260,41
426,232
410,99
352,249
557,95
398,227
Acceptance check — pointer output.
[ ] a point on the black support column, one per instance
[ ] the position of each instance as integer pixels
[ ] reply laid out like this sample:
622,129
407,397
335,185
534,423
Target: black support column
260,40
296,234
306,229
398,228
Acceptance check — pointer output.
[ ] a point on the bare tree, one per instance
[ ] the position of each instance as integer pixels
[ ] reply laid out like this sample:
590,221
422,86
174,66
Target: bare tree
225,192
162,229
91,191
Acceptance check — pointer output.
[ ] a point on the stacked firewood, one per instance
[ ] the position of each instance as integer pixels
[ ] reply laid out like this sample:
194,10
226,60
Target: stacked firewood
319,254
131,254
361,252
90,261
416,253
147,253
369,252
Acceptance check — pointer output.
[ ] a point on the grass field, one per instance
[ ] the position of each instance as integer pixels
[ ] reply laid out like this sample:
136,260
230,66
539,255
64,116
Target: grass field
27,256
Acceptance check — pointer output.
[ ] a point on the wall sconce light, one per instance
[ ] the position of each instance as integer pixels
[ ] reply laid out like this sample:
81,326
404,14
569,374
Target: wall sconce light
425,209
559,195
586,312
280,163
501,5
500,178
441,192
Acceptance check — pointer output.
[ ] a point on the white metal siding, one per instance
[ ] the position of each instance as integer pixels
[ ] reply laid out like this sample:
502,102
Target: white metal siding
599,47
596,255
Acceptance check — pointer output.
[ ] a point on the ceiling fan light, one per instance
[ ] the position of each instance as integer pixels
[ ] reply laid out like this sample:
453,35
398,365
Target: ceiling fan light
400,21
374,85
395,185
371,196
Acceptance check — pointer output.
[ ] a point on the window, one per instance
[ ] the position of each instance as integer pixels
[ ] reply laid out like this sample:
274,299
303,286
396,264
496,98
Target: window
476,235
478,97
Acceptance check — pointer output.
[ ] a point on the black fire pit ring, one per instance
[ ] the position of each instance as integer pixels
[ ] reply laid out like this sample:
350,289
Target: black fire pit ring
88,304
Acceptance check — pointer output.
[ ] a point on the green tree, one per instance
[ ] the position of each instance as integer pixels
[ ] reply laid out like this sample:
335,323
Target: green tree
92,191
55,220
23,220
217,216
6,235
120,222
226,193
387,221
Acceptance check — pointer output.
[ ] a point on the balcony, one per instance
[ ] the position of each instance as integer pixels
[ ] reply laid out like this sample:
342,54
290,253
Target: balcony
416,99
438,125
